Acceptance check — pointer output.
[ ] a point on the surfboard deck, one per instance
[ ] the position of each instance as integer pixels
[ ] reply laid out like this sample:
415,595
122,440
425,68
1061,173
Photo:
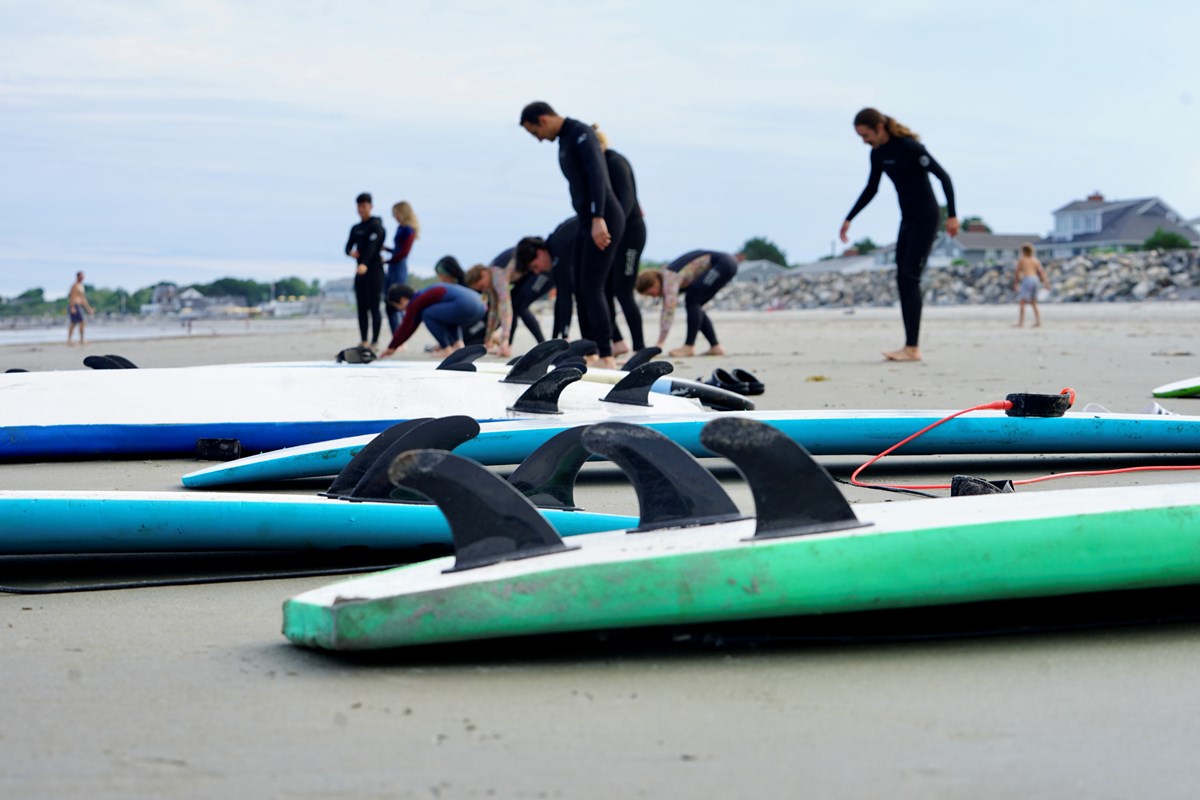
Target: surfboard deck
824,432
923,553
60,522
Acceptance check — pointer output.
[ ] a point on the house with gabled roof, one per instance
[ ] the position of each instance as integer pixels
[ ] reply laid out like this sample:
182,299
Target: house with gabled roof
1096,223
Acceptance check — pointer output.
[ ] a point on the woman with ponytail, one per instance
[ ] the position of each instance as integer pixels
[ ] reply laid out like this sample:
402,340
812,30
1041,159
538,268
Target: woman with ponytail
896,150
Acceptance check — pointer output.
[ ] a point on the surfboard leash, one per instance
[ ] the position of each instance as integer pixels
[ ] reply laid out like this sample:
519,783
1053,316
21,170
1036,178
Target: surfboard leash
1025,405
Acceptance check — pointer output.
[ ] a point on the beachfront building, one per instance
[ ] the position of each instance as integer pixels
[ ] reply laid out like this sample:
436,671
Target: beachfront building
1082,226
979,248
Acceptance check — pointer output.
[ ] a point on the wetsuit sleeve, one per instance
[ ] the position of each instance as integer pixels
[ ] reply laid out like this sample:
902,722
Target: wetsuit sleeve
588,151
872,187
404,243
413,313
671,284
937,171
350,241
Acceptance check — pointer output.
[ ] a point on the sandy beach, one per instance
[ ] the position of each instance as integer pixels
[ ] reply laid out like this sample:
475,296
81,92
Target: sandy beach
191,691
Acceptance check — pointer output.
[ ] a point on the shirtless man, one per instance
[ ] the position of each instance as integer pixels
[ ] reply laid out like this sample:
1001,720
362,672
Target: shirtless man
1029,274
77,303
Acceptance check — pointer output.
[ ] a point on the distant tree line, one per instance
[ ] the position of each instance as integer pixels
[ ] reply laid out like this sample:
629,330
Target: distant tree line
33,302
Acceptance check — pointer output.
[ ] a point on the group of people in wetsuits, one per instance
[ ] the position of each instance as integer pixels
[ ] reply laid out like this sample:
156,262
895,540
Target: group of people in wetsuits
593,257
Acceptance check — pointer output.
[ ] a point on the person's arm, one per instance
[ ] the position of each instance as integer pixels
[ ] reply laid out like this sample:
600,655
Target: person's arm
868,194
1042,273
670,299
350,249
935,169
404,242
587,150
504,307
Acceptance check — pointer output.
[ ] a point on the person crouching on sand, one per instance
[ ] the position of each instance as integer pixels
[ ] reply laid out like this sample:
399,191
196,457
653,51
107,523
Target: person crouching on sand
445,308
1028,275
698,275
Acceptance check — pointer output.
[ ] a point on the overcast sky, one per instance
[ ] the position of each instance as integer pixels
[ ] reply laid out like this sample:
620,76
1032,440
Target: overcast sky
189,141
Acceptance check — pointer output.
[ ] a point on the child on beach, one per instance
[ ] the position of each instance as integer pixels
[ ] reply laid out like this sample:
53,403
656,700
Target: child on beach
1029,274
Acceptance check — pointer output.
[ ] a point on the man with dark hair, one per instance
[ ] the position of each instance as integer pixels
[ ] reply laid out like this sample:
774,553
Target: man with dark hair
445,308
364,246
555,255
601,218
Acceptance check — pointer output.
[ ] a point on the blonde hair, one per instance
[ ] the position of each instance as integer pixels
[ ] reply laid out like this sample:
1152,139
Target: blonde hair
600,137
873,118
646,279
404,212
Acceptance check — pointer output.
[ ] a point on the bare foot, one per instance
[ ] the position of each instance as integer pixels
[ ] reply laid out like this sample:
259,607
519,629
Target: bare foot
904,354
715,350
608,362
620,348
686,351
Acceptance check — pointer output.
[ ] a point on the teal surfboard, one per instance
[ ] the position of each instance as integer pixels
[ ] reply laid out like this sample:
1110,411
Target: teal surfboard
56,522
824,432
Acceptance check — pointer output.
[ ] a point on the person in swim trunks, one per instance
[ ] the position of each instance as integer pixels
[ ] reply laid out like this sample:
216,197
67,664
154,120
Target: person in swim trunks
77,304
1028,276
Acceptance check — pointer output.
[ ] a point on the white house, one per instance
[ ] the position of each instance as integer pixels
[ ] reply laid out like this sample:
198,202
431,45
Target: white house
1084,225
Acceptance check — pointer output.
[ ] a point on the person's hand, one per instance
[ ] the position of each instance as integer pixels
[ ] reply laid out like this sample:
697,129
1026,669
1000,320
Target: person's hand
952,226
661,344
387,352
361,269
845,230
505,351
600,234
354,254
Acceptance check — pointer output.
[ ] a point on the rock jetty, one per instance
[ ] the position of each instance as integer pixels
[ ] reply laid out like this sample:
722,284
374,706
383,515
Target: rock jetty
1107,278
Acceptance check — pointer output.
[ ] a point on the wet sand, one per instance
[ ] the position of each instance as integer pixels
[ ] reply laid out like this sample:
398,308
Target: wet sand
192,691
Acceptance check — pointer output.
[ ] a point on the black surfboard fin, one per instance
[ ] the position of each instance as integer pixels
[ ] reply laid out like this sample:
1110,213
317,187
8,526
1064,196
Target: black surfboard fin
793,494
547,475
1038,405
352,473
542,397
442,433
533,365
101,362
355,355
634,388
463,359
490,521
642,356
673,489
577,350
15,369
124,362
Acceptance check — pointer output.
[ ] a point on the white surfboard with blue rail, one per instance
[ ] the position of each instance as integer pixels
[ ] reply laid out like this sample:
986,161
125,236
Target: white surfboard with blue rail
106,412
824,432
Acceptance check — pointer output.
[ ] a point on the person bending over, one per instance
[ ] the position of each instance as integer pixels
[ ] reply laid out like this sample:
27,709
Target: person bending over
896,151
697,275
493,282
445,308
601,218
551,257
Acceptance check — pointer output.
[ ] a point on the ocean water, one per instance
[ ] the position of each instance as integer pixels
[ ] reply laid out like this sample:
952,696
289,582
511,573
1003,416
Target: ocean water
119,330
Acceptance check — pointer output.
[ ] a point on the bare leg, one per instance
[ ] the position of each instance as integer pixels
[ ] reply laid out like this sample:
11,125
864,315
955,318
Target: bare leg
1037,315
1021,314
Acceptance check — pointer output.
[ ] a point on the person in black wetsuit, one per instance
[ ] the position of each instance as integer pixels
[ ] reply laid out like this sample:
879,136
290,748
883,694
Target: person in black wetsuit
601,217
896,151
553,258
624,271
364,246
